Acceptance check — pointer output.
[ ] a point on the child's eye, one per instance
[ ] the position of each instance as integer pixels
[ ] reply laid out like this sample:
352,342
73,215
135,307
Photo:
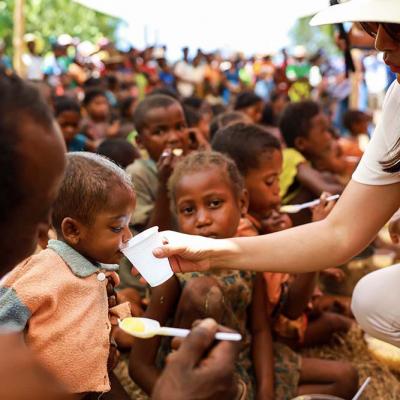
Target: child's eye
187,210
215,203
270,182
117,229
159,131
181,127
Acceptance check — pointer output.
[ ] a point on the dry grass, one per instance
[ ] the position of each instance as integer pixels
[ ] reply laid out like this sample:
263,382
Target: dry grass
352,347
385,385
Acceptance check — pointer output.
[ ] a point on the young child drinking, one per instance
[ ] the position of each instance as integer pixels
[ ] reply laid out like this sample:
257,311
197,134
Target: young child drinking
208,196
58,298
68,115
260,162
162,132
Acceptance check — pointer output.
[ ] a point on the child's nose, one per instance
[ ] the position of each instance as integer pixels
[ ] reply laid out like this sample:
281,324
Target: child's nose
127,234
203,218
174,137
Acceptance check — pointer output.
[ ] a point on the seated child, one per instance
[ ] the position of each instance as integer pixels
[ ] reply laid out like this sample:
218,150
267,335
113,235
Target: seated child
260,163
68,115
208,196
250,104
162,132
305,130
58,297
97,124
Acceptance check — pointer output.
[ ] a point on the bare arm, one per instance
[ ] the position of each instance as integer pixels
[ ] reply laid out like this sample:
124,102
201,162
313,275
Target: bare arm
299,294
353,223
142,368
314,181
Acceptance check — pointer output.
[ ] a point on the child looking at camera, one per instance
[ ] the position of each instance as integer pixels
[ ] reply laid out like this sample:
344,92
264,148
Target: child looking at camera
162,132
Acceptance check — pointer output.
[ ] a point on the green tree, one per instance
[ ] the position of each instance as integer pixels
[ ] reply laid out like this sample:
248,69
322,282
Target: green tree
50,18
313,37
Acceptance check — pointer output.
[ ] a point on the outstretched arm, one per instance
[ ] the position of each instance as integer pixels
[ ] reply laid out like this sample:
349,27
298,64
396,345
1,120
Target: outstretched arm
353,223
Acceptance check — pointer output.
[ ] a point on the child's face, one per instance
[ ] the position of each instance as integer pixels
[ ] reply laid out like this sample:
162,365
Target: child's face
207,206
255,112
98,108
318,140
275,221
101,241
165,129
262,183
69,123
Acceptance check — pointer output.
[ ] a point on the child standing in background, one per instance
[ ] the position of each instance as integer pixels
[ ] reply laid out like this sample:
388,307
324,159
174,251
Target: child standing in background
68,115
97,124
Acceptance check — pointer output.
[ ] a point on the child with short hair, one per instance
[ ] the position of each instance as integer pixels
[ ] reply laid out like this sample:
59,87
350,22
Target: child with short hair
58,298
208,196
162,132
260,163
68,115
250,104
305,130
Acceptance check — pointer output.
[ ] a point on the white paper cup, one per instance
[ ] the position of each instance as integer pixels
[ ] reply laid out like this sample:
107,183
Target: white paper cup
139,251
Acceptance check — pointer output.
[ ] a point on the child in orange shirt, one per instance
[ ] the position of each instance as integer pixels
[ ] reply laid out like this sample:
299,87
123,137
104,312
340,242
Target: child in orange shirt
62,298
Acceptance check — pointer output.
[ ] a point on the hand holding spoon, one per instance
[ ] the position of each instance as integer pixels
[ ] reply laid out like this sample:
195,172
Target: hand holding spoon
146,328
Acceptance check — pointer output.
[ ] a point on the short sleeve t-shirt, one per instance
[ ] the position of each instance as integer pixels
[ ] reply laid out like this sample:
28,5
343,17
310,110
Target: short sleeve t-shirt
387,133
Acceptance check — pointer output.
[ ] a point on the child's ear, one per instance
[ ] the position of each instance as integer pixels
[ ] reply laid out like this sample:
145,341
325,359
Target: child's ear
244,202
300,143
71,230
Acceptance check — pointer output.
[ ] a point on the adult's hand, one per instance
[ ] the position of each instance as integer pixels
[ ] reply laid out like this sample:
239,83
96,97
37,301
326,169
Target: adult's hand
187,253
198,370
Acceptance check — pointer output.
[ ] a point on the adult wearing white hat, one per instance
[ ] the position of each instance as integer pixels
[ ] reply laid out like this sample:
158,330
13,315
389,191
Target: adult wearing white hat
370,199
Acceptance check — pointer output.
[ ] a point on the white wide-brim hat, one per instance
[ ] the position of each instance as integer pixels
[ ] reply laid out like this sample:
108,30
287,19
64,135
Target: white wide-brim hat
359,11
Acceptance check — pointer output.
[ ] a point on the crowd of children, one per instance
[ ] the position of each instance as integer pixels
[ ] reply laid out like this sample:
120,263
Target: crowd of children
205,168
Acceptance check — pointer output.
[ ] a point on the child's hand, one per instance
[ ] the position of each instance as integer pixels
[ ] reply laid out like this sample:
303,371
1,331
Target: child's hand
166,165
113,355
197,141
276,222
322,210
394,229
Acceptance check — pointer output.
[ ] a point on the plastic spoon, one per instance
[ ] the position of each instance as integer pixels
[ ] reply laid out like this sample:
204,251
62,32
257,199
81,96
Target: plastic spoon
295,208
362,388
146,328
